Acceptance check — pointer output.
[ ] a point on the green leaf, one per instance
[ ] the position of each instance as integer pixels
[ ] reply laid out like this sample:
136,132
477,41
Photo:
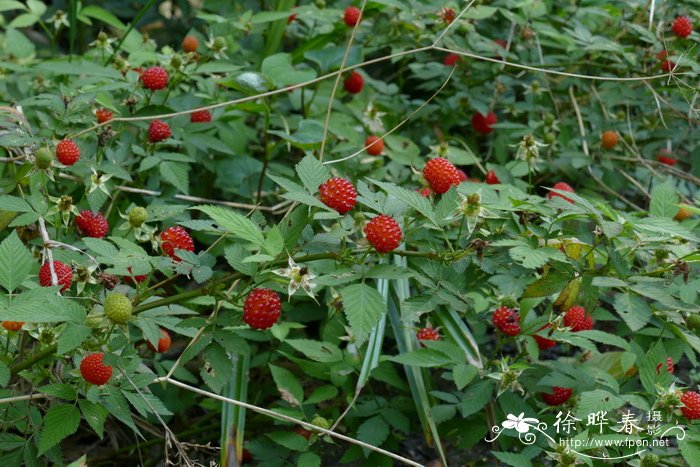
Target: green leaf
145,403
217,367
103,15
289,439
597,400
15,262
463,374
62,391
604,338
280,70
72,337
274,243
4,374
664,200
663,226
325,352
24,20
312,173
13,203
409,197
176,174
95,415
236,255
60,422
237,224
288,385
309,459
363,307
373,431
533,258
322,394
9,5
547,285
426,358
633,309
42,305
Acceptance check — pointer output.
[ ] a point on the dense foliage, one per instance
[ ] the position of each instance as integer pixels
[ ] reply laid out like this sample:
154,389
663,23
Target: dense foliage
302,233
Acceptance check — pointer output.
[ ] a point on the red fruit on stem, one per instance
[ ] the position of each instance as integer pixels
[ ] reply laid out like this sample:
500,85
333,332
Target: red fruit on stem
609,139
92,224
577,320
200,116
139,278
94,371
562,187
64,275
447,15
482,123
558,396
491,178
506,320
354,83
176,238
441,174
158,131
13,326
450,59
339,194
383,233
425,192
691,401
262,308
163,343
462,175
190,44
67,152
428,334
352,16
374,145
665,158
544,343
103,115
154,78
682,26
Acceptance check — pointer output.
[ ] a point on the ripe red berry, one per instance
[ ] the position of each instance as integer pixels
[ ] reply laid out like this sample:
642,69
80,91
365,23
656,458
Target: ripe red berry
262,308
665,158
383,233
67,152
544,343
558,395
158,131
190,44
163,342
64,275
441,174
670,368
491,178
428,334
666,65
175,238
339,194
374,145
200,116
447,15
354,83
562,187
682,26
93,370
609,139
137,279
154,78
577,320
482,123
462,175
450,59
507,321
292,18
103,115
13,325
691,401
352,16
425,192
92,224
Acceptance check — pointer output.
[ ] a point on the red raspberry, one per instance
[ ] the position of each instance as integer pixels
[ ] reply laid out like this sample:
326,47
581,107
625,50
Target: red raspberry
190,44
13,325
138,279
562,187
163,342
682,26
200,116
507,321
691,401
64,274
262,308
154,78
67,152
374,145
354,83
158,131
425,192
670,368
664,158
339,194
92,224
93,370
542,342
175,238
447,15
577,320
666,65
462,175
491,178
428,334
558,395
103,115
352,16
441,174
292,18
383,233
482,124
450,59
609,139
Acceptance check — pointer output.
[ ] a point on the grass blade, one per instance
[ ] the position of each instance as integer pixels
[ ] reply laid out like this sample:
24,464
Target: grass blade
233,416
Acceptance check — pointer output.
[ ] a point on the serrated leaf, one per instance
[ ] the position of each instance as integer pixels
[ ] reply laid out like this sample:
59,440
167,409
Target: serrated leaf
95,415
312,173
664,200
13,203
595,401
217,368
463,374
15,262
325,352
409,197
62,391
60,422
373,431
605,338
633,309
146,403
533,258
289,439
4,374
363,306
236,255
274,243
42,305
239,225
72,337
475,397
309,459
176,174
288,385
546,285
10,441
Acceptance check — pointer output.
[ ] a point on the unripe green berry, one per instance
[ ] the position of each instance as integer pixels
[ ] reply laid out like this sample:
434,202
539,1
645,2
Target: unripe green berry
321,422
118,308
43,158
548,119
219,44
137,216
650,460
550,138
693,322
